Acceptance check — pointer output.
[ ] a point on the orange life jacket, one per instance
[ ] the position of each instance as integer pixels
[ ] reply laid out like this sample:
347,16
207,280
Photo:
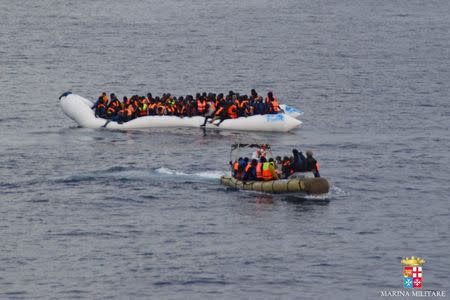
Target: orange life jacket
266,174
317,166
130,111
242,104
201,106
249,165
273,104
259,171
236,166
219,111
232,111
110,110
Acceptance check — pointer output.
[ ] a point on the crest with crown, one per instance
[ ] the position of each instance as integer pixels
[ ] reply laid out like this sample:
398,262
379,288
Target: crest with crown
413,261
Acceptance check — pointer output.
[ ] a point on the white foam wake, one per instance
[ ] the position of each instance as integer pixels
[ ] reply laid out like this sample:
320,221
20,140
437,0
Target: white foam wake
204,174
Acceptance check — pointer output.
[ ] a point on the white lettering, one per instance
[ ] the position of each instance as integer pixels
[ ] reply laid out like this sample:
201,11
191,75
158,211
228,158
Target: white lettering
414,293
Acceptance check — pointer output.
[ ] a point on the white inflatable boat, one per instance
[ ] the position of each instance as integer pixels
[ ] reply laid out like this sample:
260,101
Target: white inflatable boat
80,110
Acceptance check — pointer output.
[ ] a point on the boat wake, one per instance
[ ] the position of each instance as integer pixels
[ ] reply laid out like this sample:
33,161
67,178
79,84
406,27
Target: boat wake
203,174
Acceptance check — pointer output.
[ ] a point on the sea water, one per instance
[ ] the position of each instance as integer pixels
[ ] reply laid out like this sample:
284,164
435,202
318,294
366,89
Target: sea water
141,214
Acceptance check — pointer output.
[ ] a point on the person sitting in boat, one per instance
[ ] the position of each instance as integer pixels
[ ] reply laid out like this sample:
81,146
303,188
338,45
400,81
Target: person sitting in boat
286,169
100,106
241,168
241,104
253,95
235,167
152,107
201,105
269,171
259,168
259,107
250,171
142,109
113,107
311,164
130,112
272,104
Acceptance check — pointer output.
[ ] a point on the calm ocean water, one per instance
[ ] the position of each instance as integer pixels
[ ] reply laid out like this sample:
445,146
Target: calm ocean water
141,214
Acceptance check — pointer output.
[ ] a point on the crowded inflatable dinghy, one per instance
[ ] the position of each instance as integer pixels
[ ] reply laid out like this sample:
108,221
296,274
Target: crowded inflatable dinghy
135,113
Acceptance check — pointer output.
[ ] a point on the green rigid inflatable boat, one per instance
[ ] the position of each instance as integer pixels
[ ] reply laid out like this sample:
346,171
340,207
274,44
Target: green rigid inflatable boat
310,186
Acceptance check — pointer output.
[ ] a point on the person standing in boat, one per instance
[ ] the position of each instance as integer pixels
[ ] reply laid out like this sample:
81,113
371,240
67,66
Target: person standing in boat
261,152
311,164
298,164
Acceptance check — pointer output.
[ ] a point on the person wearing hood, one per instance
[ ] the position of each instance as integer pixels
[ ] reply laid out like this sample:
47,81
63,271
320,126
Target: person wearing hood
311,164
298,164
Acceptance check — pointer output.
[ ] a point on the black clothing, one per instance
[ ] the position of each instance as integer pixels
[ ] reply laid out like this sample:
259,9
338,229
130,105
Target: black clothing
250,175
310,164
299,161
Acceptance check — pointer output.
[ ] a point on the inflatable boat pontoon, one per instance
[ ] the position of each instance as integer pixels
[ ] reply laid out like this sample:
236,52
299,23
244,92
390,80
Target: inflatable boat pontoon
309,186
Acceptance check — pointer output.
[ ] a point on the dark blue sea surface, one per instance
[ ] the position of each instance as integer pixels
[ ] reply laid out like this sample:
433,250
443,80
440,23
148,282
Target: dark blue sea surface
141,214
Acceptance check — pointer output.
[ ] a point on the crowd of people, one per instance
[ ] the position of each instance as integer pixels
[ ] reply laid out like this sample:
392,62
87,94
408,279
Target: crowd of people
263,169
211,106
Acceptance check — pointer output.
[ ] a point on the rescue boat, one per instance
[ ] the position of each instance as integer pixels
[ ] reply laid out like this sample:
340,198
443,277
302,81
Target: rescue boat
303,183
80,110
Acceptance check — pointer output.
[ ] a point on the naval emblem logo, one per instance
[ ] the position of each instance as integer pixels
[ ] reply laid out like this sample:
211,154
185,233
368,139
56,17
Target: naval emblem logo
412,272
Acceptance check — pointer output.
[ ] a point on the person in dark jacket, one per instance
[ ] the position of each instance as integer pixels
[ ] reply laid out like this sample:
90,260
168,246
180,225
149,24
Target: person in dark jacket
260,108
250,171
299,161
311,164
241,167
286,167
